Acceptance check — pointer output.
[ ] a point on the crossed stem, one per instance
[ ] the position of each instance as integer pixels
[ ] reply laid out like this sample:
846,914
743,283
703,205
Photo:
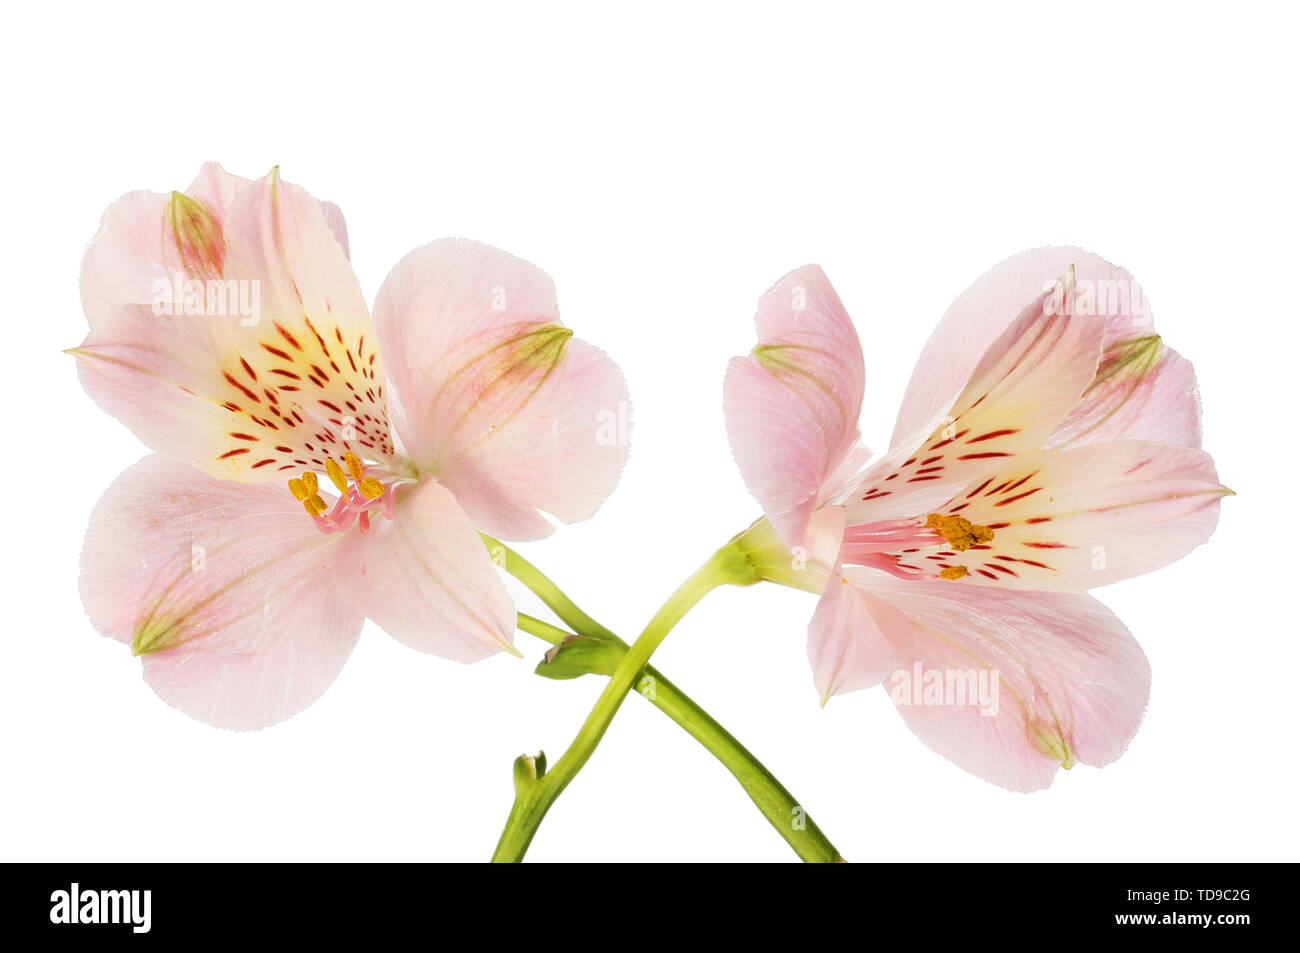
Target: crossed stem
593,649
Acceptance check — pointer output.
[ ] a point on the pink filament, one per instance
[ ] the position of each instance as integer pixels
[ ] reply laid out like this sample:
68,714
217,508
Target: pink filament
352,505
888,536
879,545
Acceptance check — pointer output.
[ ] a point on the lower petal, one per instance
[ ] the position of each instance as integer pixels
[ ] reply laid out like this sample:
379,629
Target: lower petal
223,588
1011,686
426,578
847,645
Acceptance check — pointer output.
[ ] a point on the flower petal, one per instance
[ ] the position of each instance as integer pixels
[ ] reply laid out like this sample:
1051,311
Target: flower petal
1069,520
225,589
792,404
1144,390
1025,385
847,644
339,227
273,365
493,395
1071,683
426,578
217,187
126,258
135,251
1135,361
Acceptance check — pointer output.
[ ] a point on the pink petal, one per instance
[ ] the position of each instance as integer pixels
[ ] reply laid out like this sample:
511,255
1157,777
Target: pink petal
1144,390
1137,360
134,248
493,395
1069,520
847,643
276,383
792,405
1071,685
426,578
226,587
1027,382
334,219
154,373
125,259
217,187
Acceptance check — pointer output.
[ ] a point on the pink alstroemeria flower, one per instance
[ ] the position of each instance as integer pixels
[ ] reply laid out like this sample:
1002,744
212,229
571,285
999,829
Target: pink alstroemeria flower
315,467
1048,443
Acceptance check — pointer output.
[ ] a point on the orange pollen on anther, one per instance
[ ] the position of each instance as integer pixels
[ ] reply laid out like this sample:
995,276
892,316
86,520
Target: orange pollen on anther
953,572
960,533
335,473
355,498
354,466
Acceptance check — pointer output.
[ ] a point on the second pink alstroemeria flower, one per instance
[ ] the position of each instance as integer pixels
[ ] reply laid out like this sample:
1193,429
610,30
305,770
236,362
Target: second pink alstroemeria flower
1048,443
315,466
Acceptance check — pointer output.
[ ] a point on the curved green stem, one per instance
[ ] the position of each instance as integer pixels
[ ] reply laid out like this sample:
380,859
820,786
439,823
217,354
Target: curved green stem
594,649
537,789
581,655
543,588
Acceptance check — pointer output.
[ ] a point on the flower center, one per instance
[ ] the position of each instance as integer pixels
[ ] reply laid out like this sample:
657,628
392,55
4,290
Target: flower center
359,493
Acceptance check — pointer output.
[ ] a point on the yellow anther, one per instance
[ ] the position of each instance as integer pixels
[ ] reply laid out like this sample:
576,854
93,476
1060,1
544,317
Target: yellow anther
953,572
354,466
961,534
371,488
315,505
336,476
298,489
309,481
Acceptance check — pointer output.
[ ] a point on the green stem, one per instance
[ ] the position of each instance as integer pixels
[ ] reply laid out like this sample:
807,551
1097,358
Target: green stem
536,788
769,795
597,650
544,589
543,630
536,791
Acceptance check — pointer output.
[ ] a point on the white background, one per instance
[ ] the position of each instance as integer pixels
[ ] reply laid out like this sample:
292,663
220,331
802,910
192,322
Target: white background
666,166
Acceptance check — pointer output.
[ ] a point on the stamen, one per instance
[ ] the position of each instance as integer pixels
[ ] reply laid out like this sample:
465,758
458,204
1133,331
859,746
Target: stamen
960,533
953,572
335,473
354,501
